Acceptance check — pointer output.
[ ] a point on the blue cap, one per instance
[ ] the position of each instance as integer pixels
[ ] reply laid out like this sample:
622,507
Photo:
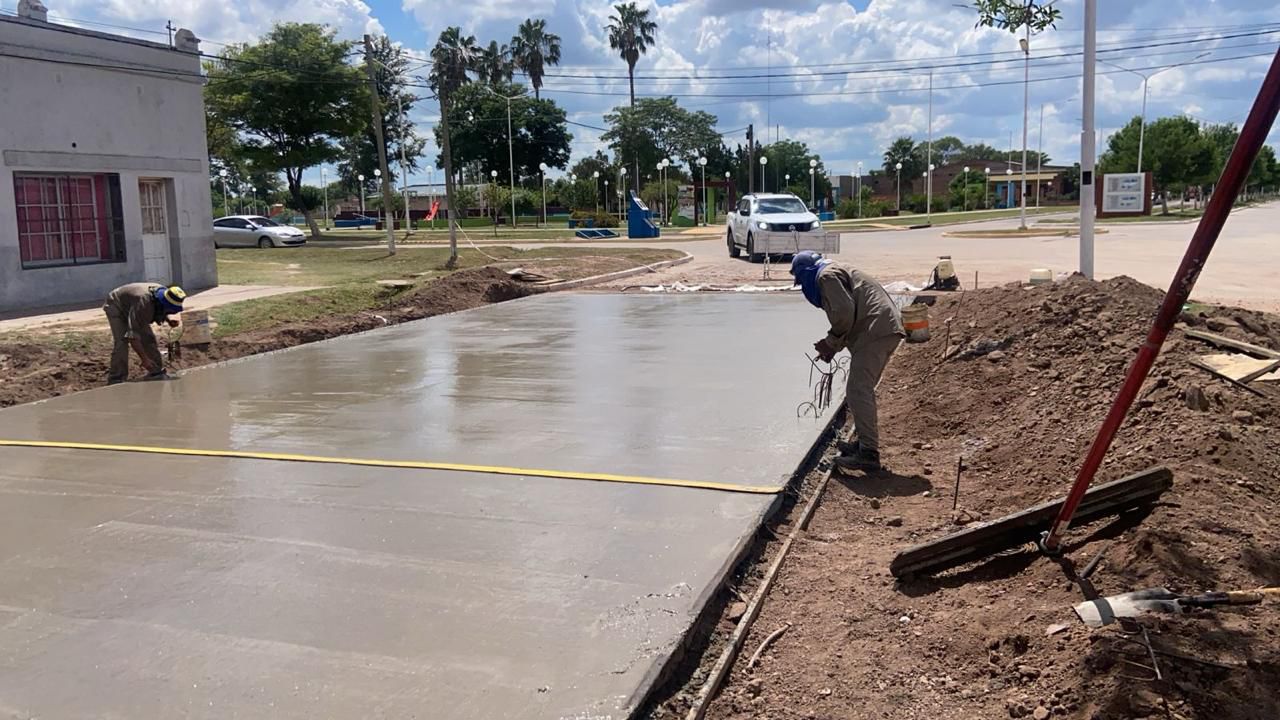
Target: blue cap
804,259
170,299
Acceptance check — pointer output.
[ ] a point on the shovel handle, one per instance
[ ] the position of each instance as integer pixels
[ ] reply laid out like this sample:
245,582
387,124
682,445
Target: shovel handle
1231,597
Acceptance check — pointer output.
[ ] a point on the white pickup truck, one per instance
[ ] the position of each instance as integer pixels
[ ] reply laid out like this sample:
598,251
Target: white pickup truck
769,225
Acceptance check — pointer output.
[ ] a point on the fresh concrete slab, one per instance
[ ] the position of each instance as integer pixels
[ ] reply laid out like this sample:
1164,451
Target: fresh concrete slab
154,586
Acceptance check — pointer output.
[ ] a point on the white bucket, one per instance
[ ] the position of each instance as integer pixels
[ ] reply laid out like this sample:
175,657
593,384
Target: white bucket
1041,276
195,328
915,320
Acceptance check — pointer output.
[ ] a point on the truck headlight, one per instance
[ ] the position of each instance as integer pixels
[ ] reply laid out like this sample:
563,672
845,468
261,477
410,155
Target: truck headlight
762,225
817,225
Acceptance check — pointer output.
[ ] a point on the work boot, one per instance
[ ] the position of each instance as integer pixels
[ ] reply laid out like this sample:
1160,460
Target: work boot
866,460
157,375
847,448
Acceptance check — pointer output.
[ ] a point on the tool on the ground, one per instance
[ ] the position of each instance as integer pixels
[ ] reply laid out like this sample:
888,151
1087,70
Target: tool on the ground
823,387
1104,611
173,345
1023,527
943,276
1198,363
1251,139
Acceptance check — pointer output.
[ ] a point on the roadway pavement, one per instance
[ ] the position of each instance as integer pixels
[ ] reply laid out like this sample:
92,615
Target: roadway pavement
159,586
1244,268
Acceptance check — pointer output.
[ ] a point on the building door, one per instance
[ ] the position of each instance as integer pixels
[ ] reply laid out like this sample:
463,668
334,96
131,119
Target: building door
155,230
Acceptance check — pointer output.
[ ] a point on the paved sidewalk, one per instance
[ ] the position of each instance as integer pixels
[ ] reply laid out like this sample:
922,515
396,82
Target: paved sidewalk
77,314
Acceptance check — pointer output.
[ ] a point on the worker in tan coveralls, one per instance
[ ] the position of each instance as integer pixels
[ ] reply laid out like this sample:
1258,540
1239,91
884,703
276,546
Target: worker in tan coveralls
866,322
131,309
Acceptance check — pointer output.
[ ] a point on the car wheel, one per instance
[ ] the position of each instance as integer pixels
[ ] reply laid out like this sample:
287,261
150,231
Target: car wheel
264,242
752,255
734,250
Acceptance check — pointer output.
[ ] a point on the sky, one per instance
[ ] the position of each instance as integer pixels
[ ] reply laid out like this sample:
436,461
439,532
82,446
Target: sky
844,77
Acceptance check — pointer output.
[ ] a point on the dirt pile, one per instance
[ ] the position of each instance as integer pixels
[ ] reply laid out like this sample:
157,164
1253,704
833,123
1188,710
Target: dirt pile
34,371
1032,374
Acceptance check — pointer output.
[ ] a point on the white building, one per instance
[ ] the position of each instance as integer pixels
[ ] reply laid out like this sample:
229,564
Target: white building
104,176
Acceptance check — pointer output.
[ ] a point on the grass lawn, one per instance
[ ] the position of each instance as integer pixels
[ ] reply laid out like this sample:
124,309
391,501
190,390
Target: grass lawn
348,276
947,218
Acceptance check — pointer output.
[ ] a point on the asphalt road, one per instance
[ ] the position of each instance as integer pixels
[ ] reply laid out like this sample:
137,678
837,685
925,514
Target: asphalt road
1244,268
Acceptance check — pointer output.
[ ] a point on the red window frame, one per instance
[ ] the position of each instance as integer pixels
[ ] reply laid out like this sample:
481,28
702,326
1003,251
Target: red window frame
68,219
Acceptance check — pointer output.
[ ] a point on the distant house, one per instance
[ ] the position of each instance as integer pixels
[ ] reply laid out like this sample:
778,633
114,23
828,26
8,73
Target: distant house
104,174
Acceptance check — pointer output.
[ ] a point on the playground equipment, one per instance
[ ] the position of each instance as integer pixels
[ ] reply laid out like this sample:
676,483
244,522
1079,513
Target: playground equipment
640,225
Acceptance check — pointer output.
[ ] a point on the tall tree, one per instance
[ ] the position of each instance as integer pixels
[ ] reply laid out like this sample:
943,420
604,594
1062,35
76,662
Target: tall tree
904,150
631,33
494,64
478,122
291,97
656,128
1176,153
360,152
532,49
791,157
453,56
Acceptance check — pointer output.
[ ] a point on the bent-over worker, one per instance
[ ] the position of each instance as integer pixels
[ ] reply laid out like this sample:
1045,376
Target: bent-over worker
866,322
131,309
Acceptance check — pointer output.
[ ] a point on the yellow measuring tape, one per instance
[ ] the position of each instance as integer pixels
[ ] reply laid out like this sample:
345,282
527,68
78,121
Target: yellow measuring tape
404,464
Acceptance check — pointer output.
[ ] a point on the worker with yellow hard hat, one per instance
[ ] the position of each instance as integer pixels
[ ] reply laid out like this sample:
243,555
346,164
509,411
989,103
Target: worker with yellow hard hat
131,310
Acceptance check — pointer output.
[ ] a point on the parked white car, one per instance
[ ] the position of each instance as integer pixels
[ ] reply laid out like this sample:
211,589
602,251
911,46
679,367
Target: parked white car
772,224
255,231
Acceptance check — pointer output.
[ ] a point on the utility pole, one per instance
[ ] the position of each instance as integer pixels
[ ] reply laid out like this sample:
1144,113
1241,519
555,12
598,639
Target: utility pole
1087,138
1039,156
751,160
168,25
1026,98
376,104
928,176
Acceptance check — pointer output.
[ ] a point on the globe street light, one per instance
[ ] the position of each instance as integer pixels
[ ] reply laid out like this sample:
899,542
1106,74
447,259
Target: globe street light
361,179
702,163
662,180
377,174
928,204
898,167
493,175
964,189
1009,185
223,174
986,186
622,183
324,181
764,160
595,189
542,170
253,206
859,188
813,195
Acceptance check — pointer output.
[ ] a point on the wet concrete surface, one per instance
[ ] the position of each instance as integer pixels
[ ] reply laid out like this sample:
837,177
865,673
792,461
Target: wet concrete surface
161,586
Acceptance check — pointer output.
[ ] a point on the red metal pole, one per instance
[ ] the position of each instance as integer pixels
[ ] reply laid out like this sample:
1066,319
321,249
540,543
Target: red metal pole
1252,136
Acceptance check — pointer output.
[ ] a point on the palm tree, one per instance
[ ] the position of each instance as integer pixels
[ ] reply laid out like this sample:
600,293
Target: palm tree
631,34
533,48
452,57
494,66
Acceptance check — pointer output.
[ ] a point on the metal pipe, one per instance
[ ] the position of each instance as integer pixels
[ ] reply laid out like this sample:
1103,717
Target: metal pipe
1252,136
1026,100
1088,139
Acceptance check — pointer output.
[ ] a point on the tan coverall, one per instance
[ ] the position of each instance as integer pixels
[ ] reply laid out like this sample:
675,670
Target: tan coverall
130,311
864,320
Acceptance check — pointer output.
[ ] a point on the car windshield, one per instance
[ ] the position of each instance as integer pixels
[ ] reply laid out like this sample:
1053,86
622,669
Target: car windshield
264,222
774,206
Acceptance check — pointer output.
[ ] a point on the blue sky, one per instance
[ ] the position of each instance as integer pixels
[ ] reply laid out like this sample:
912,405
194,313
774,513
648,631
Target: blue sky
866,98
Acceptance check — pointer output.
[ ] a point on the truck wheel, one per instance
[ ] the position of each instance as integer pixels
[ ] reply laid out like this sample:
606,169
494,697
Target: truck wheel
734,250
752,255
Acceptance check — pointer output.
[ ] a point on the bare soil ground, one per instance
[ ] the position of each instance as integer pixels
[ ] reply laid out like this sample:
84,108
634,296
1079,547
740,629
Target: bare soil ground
42,367
998,638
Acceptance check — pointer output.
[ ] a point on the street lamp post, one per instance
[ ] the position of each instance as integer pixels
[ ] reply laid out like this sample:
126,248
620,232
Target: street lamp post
493,179
223,175
361,179
542,170
1146,78
898,167
764,161
622,183
595,189
813,194
253,204
1008,173
928,181
385,217
859,189
606,196
324,180
662,180
702,163
964,189
986,186
1026,100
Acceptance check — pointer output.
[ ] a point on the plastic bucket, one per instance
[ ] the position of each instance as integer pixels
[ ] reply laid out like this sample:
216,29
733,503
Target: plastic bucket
1041,276
915,320
195,328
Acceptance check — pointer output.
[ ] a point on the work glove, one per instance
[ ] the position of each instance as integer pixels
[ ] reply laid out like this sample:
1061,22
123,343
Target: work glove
826,353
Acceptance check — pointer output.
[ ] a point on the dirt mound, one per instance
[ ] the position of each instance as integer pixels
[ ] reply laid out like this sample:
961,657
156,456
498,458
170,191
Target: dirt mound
34,371
1031,375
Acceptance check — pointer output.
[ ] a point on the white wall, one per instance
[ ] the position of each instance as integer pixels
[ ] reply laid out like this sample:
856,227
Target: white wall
61,111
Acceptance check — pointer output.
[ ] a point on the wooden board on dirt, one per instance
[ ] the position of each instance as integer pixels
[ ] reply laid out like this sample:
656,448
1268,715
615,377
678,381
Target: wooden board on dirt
1239,367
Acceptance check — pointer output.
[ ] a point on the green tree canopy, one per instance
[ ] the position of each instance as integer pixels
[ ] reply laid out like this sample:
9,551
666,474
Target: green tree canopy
631,33
533,49
656,128
1175,152
791,157
904,150
478,121
290,98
